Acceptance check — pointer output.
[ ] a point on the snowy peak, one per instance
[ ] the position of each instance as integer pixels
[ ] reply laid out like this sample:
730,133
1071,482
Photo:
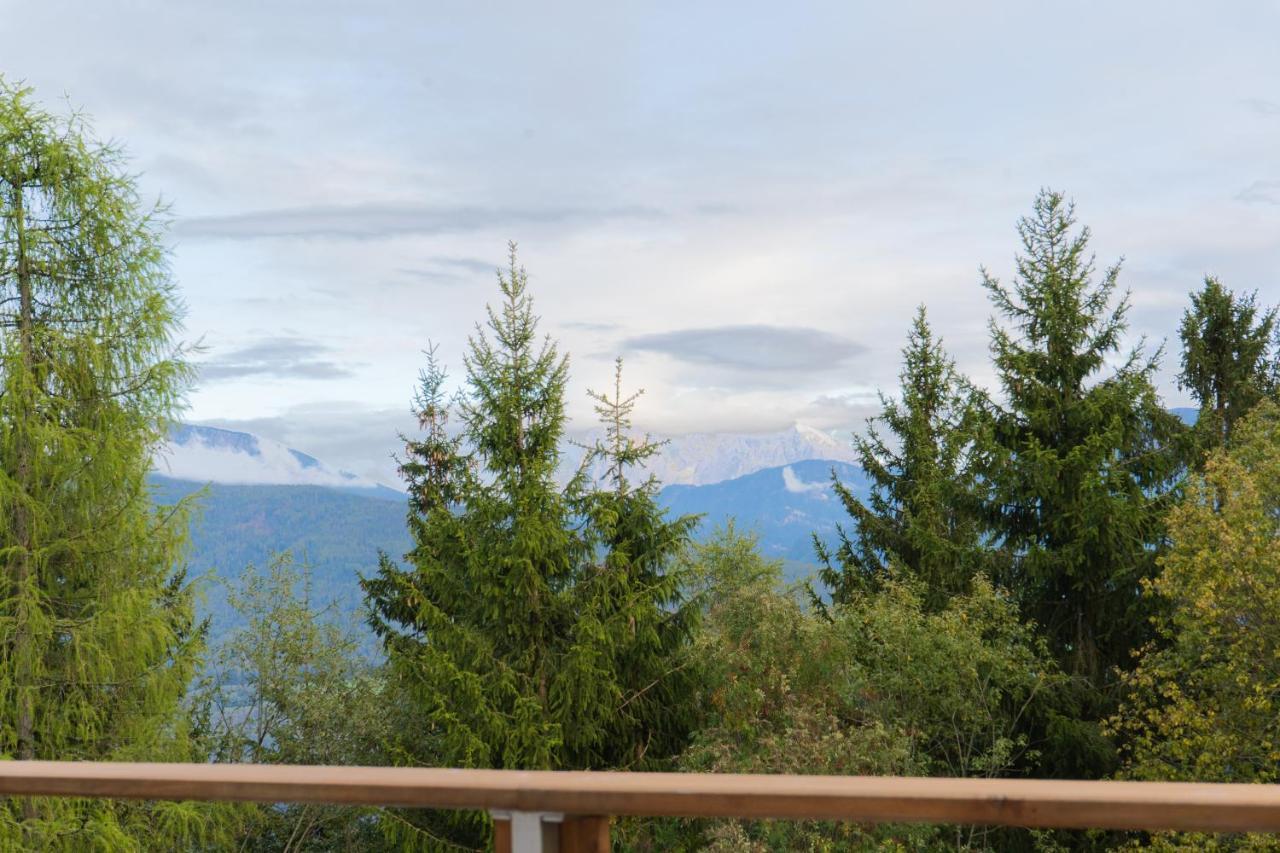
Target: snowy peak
702,458
205,454
210,455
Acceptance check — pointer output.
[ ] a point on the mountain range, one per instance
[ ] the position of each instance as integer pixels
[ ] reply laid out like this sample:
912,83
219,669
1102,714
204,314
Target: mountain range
257,497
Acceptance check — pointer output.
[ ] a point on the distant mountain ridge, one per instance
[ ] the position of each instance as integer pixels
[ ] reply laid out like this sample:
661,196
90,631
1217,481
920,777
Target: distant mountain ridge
785,506
203,454
259,497
339,531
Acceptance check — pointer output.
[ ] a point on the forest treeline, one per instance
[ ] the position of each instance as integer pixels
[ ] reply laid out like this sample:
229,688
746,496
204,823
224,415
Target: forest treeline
1054,577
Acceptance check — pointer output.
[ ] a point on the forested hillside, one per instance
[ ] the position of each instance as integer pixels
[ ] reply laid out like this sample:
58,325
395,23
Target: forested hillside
335,534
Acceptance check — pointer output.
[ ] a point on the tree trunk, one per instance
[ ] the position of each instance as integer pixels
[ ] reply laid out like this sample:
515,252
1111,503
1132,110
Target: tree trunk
23,534
22,515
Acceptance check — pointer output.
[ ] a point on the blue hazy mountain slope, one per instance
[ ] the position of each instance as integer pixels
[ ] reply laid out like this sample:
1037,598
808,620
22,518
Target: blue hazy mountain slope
338,532
785,506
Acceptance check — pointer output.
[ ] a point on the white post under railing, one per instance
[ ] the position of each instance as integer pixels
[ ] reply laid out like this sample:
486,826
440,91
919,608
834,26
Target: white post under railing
530,832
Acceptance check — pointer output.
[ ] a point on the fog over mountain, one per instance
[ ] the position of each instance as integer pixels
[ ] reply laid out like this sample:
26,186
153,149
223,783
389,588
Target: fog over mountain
210,455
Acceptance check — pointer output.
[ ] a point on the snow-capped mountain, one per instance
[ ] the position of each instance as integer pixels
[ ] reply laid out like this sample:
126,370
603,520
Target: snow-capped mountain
265,497
698,459
784,506
209,455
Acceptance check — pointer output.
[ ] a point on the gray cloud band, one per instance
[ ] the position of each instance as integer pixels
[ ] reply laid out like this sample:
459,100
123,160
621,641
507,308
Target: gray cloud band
374,221
1261,192
290,358
751,347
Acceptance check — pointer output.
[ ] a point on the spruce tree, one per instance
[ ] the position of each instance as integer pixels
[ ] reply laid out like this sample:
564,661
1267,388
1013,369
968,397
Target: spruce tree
1083,454
536,626
1228,363
634,591
921,515
97,643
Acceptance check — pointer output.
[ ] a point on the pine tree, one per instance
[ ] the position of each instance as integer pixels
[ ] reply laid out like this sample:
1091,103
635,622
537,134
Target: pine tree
1084,457
1228,363
97,642
536,627
921,515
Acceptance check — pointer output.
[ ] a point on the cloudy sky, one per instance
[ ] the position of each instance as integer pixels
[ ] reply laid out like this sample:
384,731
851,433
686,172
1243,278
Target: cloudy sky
745,200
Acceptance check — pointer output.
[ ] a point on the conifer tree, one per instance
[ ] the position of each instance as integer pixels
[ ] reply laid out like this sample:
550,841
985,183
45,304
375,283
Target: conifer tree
1228,363
1083,455
536,627
634,588
97,643
921,515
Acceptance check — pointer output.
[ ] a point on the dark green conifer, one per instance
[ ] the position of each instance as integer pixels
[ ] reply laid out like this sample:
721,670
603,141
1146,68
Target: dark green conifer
1084,454
97,644
537,626
635,589
1228,362
921,515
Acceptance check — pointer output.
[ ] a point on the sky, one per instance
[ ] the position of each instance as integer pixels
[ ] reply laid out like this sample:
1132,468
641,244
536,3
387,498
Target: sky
746,201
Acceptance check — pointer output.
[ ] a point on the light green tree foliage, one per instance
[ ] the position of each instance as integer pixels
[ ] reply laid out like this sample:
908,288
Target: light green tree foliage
1085,458
291,687
97,644
534,627
1228,362
883,686
922,516
1202,702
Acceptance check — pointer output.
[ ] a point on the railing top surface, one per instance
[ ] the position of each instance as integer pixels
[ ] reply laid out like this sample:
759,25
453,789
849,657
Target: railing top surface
1012,802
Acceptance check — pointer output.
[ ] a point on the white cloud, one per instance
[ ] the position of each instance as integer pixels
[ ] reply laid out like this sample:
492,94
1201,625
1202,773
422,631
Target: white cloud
797,486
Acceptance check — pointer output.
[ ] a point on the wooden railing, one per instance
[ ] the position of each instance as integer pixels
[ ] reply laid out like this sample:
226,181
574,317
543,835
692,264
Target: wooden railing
569,811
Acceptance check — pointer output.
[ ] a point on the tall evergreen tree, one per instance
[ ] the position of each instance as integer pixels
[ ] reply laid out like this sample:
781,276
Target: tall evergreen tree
921,516
635,589
536,627
1228,363
1084,457
97,644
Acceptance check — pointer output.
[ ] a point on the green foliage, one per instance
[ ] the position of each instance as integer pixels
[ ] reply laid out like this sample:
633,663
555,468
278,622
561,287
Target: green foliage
1201,703
921,516
290,687
537,627
1084,457
1228,363
882,686
97,638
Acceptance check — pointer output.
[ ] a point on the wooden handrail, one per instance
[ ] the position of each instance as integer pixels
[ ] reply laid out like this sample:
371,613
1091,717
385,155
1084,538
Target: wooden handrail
1008,802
